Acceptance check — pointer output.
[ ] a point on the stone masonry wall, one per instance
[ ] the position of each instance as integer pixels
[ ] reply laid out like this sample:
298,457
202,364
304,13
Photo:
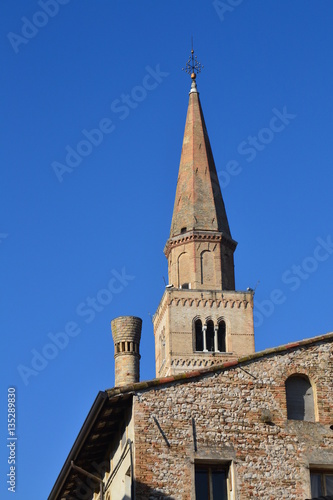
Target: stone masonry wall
269,461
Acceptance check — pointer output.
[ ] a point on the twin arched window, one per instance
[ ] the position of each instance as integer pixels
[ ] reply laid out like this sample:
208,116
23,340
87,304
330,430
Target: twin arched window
300,401
210,337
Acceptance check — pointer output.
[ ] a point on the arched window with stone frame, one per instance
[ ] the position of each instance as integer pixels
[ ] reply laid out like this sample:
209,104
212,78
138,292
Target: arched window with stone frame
221,336
300,398
198,335
210,336
207,268
183,270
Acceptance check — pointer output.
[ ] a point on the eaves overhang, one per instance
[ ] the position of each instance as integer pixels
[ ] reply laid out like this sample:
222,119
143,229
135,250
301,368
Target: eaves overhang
92,443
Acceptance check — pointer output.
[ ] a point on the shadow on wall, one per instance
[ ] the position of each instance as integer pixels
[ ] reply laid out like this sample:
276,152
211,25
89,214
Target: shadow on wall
144,492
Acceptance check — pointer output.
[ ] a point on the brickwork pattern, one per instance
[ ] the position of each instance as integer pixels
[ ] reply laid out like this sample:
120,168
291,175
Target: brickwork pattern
198,202
202,260
175,315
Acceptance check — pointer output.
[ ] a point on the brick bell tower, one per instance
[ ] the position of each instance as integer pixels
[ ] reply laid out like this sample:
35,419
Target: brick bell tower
201,319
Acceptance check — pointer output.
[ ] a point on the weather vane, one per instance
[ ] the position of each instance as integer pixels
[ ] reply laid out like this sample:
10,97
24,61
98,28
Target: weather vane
193,66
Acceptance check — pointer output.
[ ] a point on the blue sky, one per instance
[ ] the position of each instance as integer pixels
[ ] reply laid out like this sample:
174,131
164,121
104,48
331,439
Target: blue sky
104,78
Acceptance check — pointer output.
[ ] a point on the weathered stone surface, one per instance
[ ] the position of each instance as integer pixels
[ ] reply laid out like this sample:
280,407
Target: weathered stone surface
270,460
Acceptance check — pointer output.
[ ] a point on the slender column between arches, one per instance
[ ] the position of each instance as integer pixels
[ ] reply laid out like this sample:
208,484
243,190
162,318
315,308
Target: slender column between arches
216,343
204,331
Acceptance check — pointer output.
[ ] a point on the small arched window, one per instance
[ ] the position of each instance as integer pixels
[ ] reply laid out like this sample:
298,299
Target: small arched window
198,335
183,270
207,267
210,336
299,394
221,337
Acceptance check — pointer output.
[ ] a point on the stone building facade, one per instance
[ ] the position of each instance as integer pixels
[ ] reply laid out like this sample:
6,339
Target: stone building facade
154,439
236,418
219,421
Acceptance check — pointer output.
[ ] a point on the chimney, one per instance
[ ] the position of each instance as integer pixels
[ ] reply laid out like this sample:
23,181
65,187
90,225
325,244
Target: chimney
126,333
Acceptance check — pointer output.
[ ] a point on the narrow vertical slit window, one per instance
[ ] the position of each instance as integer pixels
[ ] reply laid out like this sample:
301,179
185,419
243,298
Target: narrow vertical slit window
198,335
221,337
210,336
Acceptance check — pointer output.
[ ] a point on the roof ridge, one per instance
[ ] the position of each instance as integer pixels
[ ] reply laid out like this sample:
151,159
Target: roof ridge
147,384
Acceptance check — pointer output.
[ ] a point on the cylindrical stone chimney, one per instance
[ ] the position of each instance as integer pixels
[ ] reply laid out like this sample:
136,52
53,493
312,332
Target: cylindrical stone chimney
126,333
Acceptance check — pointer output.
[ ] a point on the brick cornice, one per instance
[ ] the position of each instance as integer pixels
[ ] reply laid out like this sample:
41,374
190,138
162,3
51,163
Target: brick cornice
232,303
190,298
199,236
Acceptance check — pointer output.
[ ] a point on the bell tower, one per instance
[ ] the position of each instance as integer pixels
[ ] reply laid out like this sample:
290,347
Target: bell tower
201,319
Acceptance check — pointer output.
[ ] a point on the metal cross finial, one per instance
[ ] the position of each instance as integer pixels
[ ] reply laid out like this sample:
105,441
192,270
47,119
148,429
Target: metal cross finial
193,66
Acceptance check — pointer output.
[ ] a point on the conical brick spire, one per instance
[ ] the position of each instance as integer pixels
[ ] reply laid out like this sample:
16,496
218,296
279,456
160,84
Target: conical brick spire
200,248
198,204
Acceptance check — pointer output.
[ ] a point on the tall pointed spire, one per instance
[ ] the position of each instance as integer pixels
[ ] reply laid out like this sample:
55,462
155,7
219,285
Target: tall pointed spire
199,205
201,320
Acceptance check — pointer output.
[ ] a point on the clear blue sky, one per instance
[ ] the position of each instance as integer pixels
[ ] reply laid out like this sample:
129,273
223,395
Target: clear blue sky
62,242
